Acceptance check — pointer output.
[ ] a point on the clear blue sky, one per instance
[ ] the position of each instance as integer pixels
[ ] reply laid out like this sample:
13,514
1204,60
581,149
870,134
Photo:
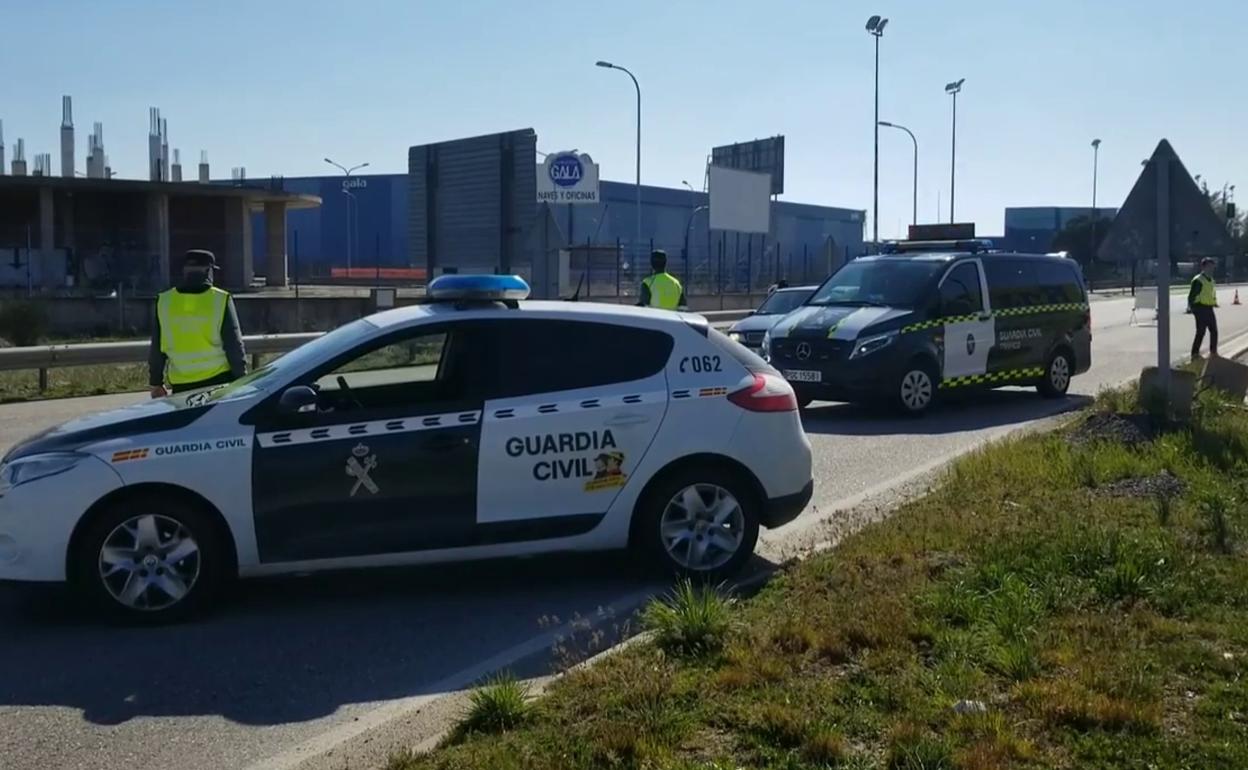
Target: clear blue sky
277,85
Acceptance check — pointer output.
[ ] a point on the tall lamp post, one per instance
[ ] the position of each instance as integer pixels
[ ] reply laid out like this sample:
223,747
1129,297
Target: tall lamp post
1096,217
610,66
914,206
346,173
953,89
875,28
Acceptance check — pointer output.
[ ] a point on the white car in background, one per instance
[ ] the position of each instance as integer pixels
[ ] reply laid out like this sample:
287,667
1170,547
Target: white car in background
473,426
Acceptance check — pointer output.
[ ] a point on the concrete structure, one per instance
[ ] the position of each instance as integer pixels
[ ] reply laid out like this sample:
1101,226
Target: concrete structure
67,137
96,234
1033,228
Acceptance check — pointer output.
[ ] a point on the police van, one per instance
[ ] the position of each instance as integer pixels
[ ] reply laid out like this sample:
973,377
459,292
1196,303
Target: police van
934,317
474,426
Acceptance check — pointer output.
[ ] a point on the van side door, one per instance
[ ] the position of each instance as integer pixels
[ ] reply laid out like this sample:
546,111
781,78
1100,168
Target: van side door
1013,289
968,325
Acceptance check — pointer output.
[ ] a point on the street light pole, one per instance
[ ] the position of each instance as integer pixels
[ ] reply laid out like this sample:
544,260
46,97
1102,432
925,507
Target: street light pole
875,28
1096,152
609,65
953,88
346,173
914,206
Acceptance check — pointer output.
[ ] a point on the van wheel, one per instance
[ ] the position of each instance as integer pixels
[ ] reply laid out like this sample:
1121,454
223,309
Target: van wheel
1057,375
150,559
701,522
915,391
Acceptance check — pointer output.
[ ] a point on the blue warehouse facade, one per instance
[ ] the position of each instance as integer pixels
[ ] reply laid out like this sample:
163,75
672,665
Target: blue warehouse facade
367,219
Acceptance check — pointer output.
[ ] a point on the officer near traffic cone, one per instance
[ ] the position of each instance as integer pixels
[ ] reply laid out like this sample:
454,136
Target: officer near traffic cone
661,289
195,335
1201,301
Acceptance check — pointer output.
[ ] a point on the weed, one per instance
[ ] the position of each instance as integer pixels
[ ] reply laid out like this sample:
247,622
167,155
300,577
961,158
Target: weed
911,748
1163,504
690,620
780,725
500,705
1016,659
1214,506
794,638
1065,704
825,747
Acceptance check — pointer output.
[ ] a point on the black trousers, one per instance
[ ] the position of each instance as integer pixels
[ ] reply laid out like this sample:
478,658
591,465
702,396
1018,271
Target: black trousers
226,377
1205,319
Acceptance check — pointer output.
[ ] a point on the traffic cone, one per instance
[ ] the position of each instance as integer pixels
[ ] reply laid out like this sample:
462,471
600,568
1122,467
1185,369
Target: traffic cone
1236,300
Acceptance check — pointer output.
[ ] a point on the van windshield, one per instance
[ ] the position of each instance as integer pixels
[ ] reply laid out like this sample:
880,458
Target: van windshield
897,283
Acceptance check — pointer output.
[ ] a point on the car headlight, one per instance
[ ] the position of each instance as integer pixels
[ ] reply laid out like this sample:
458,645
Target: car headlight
868,345
39,466
736,336
765,346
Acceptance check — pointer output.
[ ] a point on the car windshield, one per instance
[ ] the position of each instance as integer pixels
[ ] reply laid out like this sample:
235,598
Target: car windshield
322,347
883,282
783,301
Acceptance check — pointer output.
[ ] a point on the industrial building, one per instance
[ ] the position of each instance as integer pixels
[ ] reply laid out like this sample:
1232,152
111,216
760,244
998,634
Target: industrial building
1033,228
470,205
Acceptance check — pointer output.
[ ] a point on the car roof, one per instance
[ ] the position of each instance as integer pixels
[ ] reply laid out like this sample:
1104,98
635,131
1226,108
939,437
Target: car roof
585,311
949,256
812,287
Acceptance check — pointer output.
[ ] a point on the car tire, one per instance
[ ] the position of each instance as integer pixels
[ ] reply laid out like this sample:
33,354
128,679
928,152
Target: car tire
915,391
1057,373
150,559
678,530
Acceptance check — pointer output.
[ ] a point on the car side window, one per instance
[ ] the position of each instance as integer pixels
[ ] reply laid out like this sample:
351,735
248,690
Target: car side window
1012,283
532,356
1058,283
409,360
960,292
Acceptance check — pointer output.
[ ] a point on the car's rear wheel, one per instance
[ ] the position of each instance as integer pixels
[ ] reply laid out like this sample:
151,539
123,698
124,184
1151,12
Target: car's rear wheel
1057,374
915,391
700,522
150,559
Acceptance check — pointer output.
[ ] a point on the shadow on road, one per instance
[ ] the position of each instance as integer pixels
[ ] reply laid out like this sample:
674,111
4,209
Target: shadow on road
955,414
295,649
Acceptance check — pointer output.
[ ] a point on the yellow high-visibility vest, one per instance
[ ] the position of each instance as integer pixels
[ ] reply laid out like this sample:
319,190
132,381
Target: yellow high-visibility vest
190,334
664,291
1207,296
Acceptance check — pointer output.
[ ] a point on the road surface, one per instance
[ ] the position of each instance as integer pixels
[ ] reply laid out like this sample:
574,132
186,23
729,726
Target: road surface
312,661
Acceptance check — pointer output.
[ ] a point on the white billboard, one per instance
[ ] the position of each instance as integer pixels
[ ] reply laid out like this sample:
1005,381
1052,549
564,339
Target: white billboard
566,177
740,200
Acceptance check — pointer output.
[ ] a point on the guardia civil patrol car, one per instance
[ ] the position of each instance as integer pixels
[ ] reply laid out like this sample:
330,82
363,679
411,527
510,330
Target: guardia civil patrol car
933,317
472,426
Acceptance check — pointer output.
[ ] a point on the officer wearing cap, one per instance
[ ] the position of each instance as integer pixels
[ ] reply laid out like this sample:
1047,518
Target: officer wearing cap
661,289
195,335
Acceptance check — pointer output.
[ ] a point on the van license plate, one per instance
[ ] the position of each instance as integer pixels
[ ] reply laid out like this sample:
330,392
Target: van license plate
803,375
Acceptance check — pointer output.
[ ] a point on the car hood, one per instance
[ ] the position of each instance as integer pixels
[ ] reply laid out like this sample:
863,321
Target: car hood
153,416
839,322
756,323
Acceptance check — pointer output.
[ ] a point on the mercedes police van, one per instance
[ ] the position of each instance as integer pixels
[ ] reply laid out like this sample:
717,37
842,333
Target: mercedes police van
469,427
931,317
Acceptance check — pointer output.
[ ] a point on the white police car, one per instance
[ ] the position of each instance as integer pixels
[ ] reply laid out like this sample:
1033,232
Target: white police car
473,426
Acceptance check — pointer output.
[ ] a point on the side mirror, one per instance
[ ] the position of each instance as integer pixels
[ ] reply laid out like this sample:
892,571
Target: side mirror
297,399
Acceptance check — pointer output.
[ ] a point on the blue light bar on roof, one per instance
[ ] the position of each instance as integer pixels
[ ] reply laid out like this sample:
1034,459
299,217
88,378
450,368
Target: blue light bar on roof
478,287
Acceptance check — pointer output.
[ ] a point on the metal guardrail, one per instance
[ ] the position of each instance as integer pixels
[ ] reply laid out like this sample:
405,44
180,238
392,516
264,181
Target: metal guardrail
44,357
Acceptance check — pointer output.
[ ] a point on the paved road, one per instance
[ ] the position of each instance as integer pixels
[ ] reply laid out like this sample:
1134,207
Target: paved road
295,660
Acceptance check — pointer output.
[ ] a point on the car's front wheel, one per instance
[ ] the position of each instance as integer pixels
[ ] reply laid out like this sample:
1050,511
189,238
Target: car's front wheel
915,390
150,559
701,523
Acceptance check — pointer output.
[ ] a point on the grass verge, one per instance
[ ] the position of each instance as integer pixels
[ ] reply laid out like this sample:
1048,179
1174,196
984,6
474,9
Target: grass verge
1028,613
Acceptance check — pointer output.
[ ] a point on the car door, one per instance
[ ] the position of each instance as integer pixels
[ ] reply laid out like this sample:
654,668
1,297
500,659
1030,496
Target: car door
577,406
968,326
1013,294
385,463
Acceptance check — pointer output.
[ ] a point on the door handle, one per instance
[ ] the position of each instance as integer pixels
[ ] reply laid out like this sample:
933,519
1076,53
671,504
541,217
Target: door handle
631,418
446,443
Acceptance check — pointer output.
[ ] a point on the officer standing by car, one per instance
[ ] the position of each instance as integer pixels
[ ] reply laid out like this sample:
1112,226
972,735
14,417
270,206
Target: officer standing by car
661,289
195,335
1201,301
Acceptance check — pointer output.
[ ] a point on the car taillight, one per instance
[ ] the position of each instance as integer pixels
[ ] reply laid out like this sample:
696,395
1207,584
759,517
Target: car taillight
767,393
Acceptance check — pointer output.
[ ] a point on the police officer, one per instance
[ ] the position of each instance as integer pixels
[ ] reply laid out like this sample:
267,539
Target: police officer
661,289
1201,301
196,332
